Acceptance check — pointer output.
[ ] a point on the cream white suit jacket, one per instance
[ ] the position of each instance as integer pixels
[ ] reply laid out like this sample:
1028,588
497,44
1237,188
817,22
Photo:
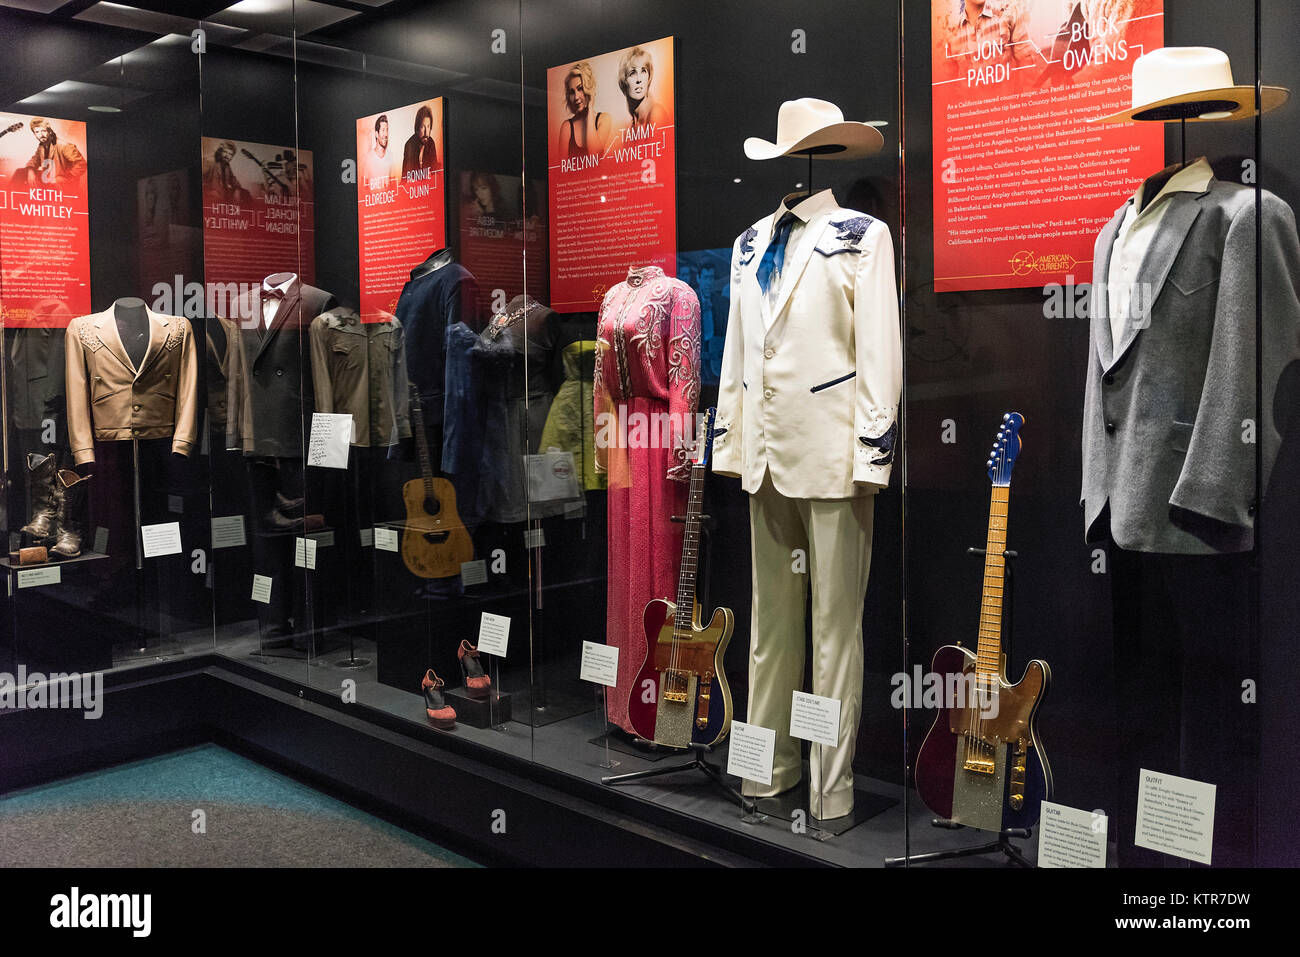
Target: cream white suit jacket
810,385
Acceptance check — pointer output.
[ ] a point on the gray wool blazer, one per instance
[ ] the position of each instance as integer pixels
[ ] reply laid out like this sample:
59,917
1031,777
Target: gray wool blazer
1169,412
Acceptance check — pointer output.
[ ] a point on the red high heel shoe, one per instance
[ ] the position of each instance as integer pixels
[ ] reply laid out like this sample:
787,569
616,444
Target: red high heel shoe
440,713
477,684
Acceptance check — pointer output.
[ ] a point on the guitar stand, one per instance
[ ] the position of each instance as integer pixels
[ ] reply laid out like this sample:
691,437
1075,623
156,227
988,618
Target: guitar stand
1003,844
711,771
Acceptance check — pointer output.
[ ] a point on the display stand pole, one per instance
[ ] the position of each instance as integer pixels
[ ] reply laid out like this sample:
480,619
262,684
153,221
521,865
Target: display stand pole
352,662
1003,844
609,762
539,629
494,697
816,831
139,549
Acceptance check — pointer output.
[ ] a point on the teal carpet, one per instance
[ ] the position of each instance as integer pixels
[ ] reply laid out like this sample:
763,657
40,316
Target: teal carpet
201,807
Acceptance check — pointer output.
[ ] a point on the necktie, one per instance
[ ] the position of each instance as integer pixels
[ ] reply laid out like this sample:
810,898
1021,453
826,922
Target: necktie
774,256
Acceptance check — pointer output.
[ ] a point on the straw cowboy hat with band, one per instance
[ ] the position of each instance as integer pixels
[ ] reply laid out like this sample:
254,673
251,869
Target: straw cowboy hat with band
1191,83
815,127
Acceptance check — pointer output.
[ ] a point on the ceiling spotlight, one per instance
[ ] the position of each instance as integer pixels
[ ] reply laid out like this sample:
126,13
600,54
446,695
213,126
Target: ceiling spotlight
736,180
798,185
104,109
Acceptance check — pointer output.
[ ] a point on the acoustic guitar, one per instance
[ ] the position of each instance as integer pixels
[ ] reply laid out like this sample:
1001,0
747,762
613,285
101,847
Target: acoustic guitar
434,541
681,696
982,764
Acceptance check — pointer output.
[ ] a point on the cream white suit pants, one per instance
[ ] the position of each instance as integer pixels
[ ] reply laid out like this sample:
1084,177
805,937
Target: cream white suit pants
834,537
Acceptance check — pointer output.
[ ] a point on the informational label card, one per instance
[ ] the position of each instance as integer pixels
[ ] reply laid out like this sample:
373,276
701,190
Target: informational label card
749,752
163,539
473,573
1175,815
815,718
367,537
101,540
32,577
386,539
259,217
176,503
325,539
228,531
1069,837
331,436
1022,181
613,171
401,201
304,553
493,634
599,664
534,537
262,588
44,221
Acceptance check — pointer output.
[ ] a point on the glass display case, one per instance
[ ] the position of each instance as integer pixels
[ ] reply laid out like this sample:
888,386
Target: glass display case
738,417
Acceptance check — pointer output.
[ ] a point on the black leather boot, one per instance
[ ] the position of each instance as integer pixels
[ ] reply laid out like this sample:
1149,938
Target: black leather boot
45,497
71,517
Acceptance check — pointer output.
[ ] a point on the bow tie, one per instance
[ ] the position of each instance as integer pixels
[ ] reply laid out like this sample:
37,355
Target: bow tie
268,294
774,255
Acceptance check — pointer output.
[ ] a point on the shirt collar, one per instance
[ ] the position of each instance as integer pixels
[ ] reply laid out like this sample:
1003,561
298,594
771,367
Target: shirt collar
1192,178
287,286
990,9
804,209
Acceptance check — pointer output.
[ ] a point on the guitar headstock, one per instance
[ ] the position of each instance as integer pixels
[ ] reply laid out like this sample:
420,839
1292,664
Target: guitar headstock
1005,450
14,128
704,444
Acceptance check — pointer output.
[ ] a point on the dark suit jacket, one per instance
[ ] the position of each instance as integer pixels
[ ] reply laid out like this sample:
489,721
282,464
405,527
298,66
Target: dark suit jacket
1169,411
270,394
411,156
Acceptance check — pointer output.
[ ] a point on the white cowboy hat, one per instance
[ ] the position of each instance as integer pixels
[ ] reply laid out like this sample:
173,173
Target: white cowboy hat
1191,83
819,128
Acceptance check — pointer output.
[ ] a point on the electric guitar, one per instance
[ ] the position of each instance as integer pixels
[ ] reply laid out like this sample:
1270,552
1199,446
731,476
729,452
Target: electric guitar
681,694
13,128
434,542
982,764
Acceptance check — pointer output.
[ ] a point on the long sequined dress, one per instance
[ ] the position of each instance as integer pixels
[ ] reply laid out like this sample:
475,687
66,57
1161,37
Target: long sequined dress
647,387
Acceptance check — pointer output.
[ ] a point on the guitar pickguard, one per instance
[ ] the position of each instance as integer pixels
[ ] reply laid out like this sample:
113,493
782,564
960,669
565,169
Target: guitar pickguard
977,795
674,719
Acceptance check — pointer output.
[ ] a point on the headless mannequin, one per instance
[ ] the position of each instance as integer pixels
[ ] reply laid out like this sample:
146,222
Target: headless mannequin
435,262
133,327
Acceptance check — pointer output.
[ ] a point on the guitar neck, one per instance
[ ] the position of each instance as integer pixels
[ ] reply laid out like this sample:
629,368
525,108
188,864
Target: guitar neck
684,618
988,659
422,443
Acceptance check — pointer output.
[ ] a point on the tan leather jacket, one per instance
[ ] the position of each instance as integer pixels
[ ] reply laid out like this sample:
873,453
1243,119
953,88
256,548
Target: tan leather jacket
105,389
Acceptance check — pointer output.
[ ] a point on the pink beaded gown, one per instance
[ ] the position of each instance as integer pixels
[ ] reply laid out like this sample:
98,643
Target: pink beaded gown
647,387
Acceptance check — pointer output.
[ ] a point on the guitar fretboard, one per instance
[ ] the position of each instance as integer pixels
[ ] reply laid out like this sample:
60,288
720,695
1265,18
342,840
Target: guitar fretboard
988,658
685,615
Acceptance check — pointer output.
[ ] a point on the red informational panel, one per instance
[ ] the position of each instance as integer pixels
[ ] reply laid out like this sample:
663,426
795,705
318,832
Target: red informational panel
1022,181
44,221
401,207
259,213
496,230
613,171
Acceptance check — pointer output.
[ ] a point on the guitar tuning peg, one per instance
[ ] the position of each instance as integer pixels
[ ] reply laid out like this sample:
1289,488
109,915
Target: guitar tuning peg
1006,417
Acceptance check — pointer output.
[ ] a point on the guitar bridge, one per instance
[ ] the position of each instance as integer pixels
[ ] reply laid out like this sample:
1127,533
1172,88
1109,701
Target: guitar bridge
676,687
980,756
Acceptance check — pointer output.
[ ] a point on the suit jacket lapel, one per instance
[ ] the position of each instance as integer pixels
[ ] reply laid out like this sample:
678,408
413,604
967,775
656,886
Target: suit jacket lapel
1159,259
158,329
1100,292
106,324
749,272
288,307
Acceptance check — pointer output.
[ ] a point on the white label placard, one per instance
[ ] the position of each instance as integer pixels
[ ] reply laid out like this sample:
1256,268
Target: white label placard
175,504
262,589
534,537
1175,815
386,539
473,573
815,718
331,434
1069,837
324,539
304,553
367,537
31,577
749,752
228,531
493,634
101,540
163,539
599,664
